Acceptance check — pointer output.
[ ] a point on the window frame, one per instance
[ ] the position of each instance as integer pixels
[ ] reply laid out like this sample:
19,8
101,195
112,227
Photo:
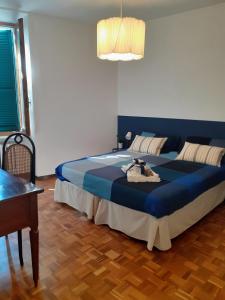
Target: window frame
21,76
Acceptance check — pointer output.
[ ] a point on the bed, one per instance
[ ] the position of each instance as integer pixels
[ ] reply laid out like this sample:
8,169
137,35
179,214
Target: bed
152,212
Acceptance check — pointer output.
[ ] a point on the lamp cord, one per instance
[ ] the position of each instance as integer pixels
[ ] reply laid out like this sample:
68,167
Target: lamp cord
121,16
121,8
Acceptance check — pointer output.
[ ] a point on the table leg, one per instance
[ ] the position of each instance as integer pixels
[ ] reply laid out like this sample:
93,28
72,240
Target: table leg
20,246
34,242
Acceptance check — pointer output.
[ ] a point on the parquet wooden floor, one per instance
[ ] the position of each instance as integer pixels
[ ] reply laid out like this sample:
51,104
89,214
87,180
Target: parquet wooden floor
79,260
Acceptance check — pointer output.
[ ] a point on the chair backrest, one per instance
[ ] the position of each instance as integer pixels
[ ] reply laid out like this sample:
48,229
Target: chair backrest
18,156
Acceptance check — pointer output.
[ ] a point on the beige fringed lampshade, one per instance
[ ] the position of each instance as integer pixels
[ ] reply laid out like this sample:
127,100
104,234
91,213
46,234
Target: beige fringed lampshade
121,39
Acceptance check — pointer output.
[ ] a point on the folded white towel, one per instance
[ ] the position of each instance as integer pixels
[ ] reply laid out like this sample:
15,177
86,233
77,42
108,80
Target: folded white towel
142,178
134,174
126,167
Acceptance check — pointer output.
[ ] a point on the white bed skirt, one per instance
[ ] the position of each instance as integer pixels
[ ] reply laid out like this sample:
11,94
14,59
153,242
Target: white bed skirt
156,232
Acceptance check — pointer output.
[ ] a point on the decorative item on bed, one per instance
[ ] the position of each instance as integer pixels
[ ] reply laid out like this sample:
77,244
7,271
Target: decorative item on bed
202,154
207,141
172,143
138,171
150,145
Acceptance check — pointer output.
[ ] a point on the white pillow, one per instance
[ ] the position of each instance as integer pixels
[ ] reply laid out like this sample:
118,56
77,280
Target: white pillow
205,154
149,145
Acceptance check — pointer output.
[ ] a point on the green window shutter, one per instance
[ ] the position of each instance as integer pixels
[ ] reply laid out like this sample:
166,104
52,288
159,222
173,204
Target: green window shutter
9,117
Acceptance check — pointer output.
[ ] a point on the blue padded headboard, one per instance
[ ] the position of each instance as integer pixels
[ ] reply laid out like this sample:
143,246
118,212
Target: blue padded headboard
171,127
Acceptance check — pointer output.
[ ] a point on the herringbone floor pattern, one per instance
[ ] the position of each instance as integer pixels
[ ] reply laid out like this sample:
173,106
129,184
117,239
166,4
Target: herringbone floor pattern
79,260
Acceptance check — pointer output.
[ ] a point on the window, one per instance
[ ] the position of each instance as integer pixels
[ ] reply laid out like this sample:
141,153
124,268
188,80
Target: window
14,102
9,110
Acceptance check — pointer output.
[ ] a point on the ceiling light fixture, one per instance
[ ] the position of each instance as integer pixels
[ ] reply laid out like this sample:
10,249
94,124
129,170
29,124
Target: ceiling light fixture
121,38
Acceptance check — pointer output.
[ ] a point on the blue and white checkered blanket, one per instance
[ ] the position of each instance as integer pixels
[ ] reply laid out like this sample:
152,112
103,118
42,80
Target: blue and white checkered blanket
181,181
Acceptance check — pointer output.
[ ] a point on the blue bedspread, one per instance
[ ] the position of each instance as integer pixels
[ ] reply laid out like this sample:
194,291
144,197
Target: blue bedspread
181,181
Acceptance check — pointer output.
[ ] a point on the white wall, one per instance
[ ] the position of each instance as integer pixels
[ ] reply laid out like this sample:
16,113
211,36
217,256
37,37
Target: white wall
183,72
74,94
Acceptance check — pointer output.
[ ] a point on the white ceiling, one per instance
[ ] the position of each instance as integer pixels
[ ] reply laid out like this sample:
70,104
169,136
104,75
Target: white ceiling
93,10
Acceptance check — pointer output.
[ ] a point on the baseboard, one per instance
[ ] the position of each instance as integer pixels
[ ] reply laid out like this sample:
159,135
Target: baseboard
51,176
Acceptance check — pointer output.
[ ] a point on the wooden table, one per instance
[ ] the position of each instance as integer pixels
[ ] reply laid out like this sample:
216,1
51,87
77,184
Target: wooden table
18,210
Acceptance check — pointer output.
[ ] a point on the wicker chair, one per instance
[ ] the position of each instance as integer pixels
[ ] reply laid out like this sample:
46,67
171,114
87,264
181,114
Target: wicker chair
18,158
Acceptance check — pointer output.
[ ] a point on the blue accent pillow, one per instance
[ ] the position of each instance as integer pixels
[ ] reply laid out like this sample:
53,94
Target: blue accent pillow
198,140
217,143
170,155
172,143
194,140
147,134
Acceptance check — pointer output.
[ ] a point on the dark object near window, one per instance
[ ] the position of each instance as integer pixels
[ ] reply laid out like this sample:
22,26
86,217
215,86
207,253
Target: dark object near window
14,100
9,114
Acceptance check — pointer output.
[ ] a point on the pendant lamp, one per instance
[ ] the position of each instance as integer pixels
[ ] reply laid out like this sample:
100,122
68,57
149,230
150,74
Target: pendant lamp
121,38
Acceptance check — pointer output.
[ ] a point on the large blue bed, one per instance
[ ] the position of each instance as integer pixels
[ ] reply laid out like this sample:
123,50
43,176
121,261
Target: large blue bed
181,181
182,184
